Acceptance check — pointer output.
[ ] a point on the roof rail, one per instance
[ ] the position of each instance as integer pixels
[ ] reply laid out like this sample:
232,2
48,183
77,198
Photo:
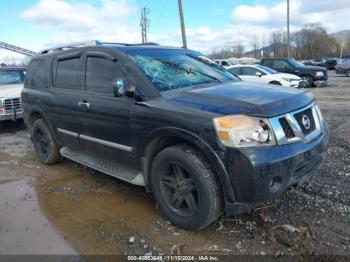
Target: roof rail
87,43
70,45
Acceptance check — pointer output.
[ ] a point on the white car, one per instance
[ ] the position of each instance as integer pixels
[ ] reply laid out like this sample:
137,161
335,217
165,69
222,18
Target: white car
225,62
265,75
11,85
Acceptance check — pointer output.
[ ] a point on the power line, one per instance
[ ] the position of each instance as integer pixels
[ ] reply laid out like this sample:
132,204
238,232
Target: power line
144,23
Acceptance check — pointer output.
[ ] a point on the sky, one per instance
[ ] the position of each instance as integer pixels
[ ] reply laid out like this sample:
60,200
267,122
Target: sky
36,24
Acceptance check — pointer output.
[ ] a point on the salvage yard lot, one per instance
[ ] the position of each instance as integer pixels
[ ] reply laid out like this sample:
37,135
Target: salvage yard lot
71,209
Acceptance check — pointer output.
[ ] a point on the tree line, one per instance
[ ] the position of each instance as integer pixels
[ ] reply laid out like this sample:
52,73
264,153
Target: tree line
312,41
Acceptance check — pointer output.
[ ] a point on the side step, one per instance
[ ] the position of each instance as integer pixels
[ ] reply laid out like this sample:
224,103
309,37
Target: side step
115,169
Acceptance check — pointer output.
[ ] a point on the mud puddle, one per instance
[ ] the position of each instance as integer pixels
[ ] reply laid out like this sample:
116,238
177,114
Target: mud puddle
23,228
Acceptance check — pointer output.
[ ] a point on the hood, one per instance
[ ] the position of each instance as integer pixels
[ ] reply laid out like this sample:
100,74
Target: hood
315,68
11,90
245,98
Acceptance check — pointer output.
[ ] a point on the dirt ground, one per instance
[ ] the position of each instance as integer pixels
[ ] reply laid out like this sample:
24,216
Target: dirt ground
70,209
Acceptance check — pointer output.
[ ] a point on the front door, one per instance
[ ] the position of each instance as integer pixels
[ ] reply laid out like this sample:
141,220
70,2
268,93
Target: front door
106,121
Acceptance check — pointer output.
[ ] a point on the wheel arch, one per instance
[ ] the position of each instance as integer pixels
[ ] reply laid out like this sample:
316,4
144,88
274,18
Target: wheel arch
35,114
165,137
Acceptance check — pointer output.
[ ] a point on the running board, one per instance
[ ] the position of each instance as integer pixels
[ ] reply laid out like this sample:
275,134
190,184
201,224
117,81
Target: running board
115,169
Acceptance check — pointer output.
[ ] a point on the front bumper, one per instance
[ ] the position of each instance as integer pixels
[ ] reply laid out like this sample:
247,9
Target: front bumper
14,116
263,174
321,81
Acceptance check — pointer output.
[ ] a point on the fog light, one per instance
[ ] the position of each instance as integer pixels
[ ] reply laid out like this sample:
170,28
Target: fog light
275,184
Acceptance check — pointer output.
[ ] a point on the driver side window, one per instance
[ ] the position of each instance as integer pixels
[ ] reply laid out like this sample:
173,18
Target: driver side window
250,71
100,74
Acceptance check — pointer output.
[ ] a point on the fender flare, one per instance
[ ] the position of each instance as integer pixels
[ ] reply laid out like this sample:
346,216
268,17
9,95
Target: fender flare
199,143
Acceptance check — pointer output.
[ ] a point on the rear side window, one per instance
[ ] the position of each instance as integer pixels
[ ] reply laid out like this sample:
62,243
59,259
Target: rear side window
38,74
68,74
100,73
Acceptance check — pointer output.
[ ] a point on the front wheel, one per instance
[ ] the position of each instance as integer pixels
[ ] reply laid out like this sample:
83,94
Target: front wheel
44,143
185,187
309,81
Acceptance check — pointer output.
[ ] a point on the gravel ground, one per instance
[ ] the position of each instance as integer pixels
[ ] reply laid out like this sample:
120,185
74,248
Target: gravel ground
87,212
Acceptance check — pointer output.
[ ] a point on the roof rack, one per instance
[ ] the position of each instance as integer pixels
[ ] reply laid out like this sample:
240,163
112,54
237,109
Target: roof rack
70,45
87,43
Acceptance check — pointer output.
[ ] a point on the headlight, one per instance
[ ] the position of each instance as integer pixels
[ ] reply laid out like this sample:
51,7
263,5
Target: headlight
319,73
2,110
244,131
286,79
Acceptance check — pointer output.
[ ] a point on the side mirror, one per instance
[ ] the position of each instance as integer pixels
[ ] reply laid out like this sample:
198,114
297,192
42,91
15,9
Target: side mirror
258,74
120,87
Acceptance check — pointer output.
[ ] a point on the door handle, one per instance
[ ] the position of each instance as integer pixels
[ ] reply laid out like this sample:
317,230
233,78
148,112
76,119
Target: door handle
84,105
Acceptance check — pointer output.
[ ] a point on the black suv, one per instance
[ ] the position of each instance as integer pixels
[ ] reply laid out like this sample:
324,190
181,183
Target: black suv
313,75
172,120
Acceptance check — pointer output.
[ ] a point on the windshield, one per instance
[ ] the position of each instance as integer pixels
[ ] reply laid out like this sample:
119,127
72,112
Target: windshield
296,63
267,69
12,77
172,69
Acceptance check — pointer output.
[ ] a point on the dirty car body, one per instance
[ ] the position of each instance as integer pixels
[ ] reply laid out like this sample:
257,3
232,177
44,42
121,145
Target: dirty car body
11,85
249,142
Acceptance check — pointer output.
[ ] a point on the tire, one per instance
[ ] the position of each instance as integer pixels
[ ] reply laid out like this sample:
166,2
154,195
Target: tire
347,73
44,143
185,188
275,83
309,81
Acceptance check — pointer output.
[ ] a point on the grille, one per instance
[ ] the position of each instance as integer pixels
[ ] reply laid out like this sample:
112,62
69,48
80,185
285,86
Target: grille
299,117
11,104
286,128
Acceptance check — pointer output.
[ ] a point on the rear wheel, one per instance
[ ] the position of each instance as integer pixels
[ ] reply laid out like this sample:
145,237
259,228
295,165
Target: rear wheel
185,188
44,143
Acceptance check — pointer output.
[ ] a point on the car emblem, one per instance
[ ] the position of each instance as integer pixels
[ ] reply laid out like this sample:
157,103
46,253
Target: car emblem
305,120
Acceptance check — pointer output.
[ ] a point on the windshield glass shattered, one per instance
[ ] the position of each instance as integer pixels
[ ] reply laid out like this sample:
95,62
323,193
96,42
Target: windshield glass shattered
172,69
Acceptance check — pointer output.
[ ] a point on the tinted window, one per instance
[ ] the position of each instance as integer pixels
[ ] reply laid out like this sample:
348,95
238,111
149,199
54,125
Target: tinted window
234,70
67,74
280,65
100,73
38,74
267,63
224,63
249,71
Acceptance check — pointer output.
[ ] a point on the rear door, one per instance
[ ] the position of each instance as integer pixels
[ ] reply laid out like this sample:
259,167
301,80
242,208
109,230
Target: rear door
106,127
67,91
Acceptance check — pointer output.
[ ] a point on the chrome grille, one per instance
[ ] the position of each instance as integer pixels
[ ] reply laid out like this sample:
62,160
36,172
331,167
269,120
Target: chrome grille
289,128
299,116
11,104
286,128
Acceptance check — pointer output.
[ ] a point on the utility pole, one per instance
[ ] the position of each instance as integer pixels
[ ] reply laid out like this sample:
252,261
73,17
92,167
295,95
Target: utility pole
182,22
288,32
341,52
144,23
